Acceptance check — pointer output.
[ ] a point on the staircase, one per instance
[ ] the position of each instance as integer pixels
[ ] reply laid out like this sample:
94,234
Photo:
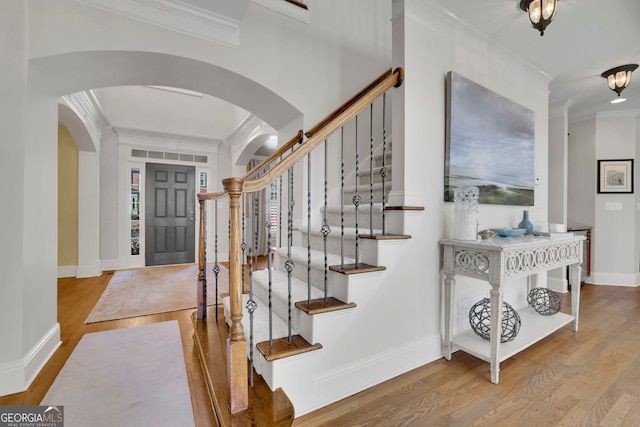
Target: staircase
327,360
327,320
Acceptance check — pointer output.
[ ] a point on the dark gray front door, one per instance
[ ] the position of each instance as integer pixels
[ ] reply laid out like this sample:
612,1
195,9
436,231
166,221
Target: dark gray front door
170,217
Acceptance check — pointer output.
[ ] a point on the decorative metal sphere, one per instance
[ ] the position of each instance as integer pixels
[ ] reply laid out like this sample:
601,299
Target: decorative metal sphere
544,301
480,320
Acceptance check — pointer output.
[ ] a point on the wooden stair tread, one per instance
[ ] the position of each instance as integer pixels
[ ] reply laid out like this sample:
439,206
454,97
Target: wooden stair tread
385,236
318,306
282,348
404,208
356,268
266,407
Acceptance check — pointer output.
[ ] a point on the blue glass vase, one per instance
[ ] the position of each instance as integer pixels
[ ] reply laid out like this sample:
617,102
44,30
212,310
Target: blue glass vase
525,223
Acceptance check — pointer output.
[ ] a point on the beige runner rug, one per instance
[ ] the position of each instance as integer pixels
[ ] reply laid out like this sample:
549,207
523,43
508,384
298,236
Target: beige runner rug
150,290
125,377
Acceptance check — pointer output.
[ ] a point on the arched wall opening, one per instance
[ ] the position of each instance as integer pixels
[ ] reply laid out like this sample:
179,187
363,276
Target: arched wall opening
80,71
74,72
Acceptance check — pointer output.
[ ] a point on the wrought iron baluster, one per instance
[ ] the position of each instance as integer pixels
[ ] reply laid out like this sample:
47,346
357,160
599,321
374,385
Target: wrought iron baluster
326,229
371,169
216,267
251,303
356,198
309,230
342,197
289,264
383,169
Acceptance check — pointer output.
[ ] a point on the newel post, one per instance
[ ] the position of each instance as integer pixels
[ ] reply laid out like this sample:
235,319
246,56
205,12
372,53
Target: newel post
236,344
201,311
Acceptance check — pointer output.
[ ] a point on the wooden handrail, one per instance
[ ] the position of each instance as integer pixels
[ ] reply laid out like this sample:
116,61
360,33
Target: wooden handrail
212,196
237,367
353,100
298,3
342,116
279,152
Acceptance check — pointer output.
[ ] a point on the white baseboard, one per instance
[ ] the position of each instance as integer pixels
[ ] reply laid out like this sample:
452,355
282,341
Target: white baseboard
18,375
88,271
330,387
110,264
558,285
614,279
67,271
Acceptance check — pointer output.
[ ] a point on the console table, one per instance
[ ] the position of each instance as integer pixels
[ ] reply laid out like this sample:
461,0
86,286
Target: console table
497,261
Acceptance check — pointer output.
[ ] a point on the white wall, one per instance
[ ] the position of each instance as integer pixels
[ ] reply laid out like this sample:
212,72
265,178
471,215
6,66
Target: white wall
558,162
615,241
614,256
29,331
56,48
582,172
434,45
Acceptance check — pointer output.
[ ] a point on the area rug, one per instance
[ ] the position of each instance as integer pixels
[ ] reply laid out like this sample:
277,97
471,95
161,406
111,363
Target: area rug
125,377
142,291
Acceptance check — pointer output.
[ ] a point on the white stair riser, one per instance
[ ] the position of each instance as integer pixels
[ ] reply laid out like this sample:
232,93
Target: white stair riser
300,270
334,217
365,193
365,176
347,247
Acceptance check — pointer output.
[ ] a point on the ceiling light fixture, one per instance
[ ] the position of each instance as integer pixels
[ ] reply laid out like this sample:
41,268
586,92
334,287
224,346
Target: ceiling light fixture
619,78
541,12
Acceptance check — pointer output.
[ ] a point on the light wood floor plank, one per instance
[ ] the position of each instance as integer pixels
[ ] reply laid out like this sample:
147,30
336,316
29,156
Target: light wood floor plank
588,378
76,299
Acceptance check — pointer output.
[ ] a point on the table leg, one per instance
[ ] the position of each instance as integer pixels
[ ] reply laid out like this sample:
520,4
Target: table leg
448,291
496,330
532,281
575,275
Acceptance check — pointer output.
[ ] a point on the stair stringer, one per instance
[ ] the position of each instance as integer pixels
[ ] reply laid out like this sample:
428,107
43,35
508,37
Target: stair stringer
361,346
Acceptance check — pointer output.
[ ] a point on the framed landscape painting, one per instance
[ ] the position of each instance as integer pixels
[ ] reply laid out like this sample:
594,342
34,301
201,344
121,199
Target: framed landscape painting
615,176
490,144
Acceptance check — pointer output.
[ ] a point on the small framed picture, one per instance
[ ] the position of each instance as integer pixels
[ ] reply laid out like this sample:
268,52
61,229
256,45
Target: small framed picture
615,176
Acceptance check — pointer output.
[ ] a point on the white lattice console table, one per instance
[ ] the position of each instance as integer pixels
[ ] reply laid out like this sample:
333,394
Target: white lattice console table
497,261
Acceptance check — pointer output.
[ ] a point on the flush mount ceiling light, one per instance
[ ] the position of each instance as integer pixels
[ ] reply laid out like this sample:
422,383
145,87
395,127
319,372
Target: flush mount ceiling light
619,78
541,12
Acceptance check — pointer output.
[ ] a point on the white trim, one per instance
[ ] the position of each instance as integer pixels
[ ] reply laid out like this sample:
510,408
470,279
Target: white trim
67,271
329,386
446,18
92,270
614,279
557,284
18,375
139,138
285,8
178,16
86,106
111,264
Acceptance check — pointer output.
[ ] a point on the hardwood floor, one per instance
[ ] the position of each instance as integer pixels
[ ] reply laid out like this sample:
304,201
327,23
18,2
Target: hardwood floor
588,378
76,299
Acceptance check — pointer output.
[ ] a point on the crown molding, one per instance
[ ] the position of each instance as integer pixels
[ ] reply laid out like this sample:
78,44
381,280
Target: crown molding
178,16
86,106
438,15
560,109
285,8
250,128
